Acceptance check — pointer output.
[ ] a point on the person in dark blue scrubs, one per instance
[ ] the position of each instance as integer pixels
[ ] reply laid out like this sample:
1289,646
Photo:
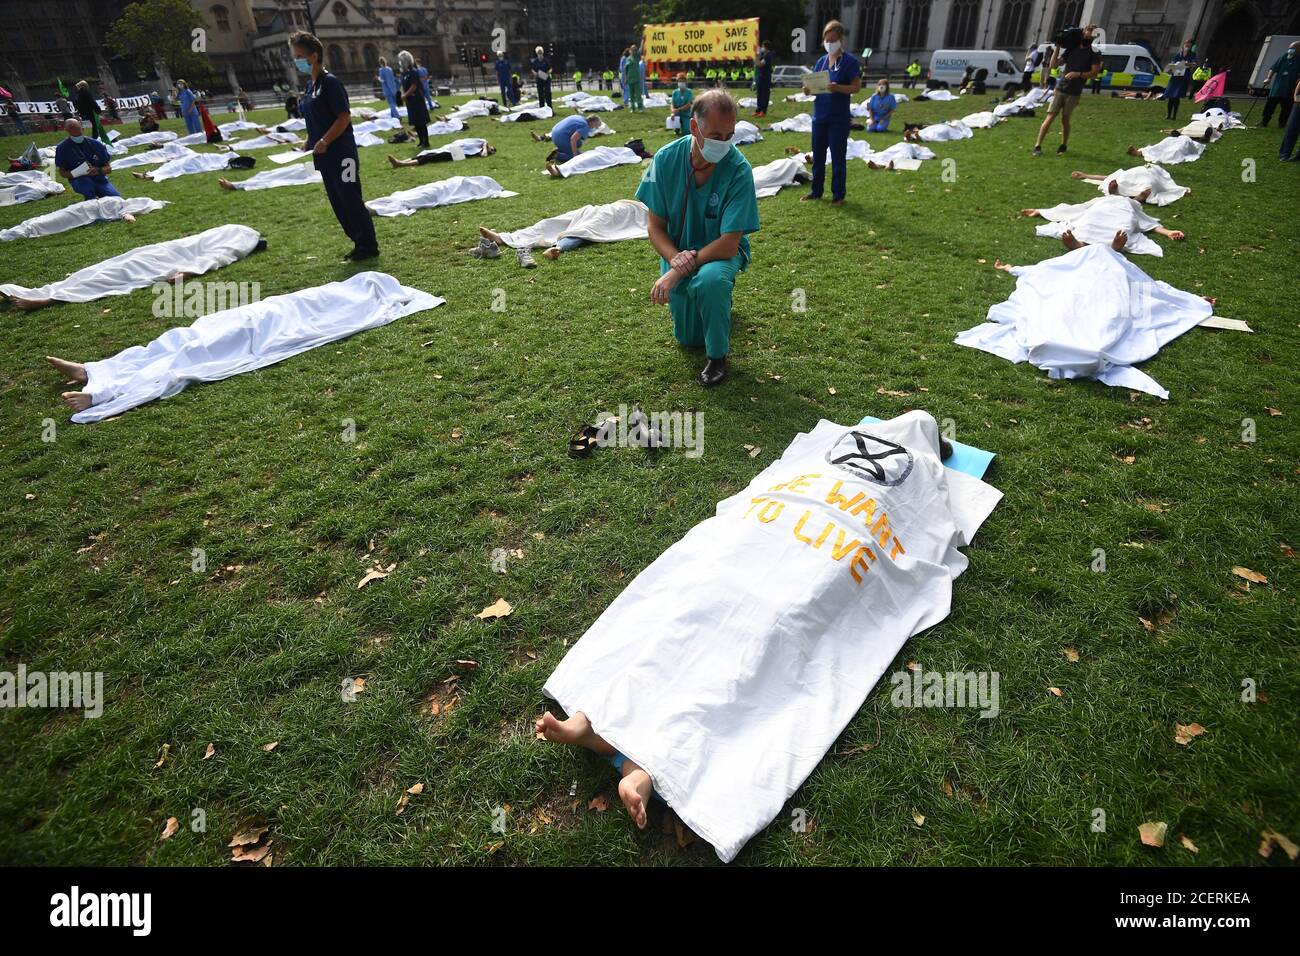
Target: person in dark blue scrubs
831,116
77,150
325,107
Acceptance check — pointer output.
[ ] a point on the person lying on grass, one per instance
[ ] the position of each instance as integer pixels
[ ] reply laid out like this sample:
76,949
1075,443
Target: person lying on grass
1146,184
468,148
1101,221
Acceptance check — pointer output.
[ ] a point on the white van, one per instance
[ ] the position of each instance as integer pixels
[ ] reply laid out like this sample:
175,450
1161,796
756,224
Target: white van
947,67
1124,66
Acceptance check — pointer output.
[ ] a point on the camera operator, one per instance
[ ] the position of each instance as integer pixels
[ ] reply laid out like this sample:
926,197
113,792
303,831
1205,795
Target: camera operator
1079,63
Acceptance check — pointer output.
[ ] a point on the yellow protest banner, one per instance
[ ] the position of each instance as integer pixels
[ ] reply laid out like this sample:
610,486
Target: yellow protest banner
701,40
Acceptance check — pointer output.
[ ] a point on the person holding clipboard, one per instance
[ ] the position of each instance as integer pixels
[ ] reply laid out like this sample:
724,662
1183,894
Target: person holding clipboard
834,80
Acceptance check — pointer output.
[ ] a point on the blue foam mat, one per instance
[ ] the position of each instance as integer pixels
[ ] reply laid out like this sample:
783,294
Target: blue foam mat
965,458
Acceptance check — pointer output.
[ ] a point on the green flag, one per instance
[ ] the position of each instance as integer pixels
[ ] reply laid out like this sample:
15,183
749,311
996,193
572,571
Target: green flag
63,90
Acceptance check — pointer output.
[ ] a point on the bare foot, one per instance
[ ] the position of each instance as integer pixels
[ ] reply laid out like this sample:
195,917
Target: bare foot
792,150
77,401
1213,300
127,217
634,790
29,305
1133,151
552,253
487,233
1120,241
1113,188
72,371
140,175
1144,195
1003,266
1071,243
225,184
394,161
554,171
1029,213
1078,175
576,730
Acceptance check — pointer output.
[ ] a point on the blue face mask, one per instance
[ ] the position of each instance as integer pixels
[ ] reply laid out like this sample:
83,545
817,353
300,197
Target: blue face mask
715,150
78,139
302,63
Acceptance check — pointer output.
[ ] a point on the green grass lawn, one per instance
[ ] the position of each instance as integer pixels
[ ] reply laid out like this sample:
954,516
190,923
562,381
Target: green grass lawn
99,524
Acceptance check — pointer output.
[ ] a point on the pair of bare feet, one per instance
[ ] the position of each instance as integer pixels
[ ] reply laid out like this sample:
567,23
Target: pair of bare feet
634,789
74,373
1117,243
553,253
554,170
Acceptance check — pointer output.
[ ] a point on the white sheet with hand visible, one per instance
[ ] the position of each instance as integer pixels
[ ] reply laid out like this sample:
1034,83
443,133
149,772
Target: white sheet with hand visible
1097,220
444,192
103,209
1090,313
730,665
141,267
608,222
245,338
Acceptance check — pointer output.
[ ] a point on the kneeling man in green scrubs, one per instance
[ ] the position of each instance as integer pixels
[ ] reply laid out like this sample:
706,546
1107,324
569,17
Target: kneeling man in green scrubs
700,193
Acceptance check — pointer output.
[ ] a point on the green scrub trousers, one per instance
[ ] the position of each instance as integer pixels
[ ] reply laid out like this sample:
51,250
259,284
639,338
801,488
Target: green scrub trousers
701,307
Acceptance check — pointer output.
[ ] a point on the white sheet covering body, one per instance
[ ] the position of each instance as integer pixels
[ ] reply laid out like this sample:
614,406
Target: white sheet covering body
608,222
1097,220
937,96
945,132
1172,150
302,174
245,338
29,184
1131,183
799,123
162,154
731,664
79,214
149,139
1090,313
771,178
141,267
982,120
444,127
443,192
601,157
267,140
466,146
188,165
1219,119
746,133
1023,104
537,113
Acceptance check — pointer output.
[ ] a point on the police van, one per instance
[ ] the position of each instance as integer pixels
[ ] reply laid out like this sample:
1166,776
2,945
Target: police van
947,67
1124,66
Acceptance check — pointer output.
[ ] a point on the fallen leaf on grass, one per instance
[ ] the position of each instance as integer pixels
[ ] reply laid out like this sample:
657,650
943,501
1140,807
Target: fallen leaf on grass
377,573
1055,691
456,433
684,836
501,608
1071,654
1271,838
413,791
209,752
1153,833
1252,576
468,665
831,391
170,829
248,836
598,803
1186,841
162,758
271,746
1273,411
254,854
919,818
1185,733
1156,622
881,390
753,450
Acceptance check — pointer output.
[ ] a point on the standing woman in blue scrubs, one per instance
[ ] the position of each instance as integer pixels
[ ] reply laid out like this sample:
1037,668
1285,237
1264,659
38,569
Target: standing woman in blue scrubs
831,116
328,114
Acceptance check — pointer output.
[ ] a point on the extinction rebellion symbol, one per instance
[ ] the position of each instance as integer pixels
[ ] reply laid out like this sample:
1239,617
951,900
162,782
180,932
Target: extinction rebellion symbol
871,457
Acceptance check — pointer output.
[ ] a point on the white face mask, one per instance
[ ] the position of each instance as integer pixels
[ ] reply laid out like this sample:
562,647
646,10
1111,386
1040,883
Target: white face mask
832,46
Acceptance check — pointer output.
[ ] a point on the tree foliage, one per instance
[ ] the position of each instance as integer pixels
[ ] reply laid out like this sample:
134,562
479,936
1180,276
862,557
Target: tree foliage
150,31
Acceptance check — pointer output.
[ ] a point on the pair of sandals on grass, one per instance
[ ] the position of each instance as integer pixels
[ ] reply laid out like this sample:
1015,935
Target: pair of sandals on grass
640,432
